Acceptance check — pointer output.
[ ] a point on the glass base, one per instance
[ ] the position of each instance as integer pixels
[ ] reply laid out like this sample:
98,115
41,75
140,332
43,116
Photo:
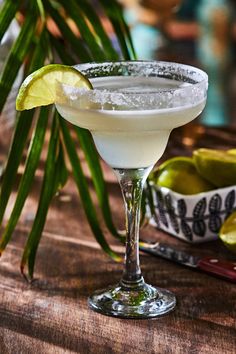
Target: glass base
142,301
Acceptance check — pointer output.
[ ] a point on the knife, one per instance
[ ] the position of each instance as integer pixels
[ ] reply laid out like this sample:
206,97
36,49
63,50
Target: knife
212,265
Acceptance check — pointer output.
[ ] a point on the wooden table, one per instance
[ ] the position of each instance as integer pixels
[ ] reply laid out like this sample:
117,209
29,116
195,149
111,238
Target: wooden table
51,314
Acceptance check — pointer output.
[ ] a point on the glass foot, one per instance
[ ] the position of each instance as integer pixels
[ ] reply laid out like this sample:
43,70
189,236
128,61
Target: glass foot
143,301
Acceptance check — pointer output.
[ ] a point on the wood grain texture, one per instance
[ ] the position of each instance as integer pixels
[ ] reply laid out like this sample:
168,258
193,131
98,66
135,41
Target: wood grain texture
51,314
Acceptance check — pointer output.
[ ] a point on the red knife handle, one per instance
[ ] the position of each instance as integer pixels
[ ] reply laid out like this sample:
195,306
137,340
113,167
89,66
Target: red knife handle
218,267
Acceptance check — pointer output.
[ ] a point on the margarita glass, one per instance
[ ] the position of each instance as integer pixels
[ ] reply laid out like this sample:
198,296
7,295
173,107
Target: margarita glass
130,113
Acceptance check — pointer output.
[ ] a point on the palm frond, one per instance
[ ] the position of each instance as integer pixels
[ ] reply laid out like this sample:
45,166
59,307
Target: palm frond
44,201
59,48
36,45
114,13
7,13
23,125
74,44
84,191
79,19
16,57
20,137
28,176
41,10
92,159
98,30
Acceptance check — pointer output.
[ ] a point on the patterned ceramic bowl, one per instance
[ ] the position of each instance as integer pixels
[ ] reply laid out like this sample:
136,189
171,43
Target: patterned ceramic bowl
193,218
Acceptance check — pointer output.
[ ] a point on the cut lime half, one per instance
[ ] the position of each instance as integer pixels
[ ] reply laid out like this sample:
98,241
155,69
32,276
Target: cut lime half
227,232
180,175
216,166
39,88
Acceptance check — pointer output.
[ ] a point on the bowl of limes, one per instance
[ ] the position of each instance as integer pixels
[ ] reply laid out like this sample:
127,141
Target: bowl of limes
191,197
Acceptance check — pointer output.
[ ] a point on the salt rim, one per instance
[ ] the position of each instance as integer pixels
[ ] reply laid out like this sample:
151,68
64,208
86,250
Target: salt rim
103,99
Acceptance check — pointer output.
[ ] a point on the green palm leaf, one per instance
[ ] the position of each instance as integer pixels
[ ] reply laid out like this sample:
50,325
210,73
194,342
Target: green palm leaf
92,158
84,191
61,172
65,57
7,13
77,15
55,176
16,56
114,13
41,10
70,38
44,201
27,178
102,36
22,129
19,141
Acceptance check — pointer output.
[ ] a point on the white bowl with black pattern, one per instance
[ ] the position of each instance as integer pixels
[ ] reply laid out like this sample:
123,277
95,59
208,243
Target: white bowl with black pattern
193,218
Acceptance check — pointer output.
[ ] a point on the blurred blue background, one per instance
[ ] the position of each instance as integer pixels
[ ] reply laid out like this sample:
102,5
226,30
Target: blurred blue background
197,32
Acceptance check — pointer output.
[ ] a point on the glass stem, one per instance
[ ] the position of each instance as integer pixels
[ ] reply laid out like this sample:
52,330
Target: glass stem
132,182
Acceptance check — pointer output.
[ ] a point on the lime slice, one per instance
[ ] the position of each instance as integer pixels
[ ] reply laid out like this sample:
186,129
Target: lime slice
216,166
180,175
227,232
39,88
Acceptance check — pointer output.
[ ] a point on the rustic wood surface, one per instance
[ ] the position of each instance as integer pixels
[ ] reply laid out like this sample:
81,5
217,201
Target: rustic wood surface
51,314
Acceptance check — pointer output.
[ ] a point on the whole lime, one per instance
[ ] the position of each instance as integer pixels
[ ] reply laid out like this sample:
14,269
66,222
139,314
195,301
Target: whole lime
180,175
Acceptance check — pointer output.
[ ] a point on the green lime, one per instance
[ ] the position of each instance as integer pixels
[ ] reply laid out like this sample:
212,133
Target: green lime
39,88
180,175
231,151
216,166
227,232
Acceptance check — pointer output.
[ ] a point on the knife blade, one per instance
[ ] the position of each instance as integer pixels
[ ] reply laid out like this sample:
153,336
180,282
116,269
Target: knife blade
211,265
